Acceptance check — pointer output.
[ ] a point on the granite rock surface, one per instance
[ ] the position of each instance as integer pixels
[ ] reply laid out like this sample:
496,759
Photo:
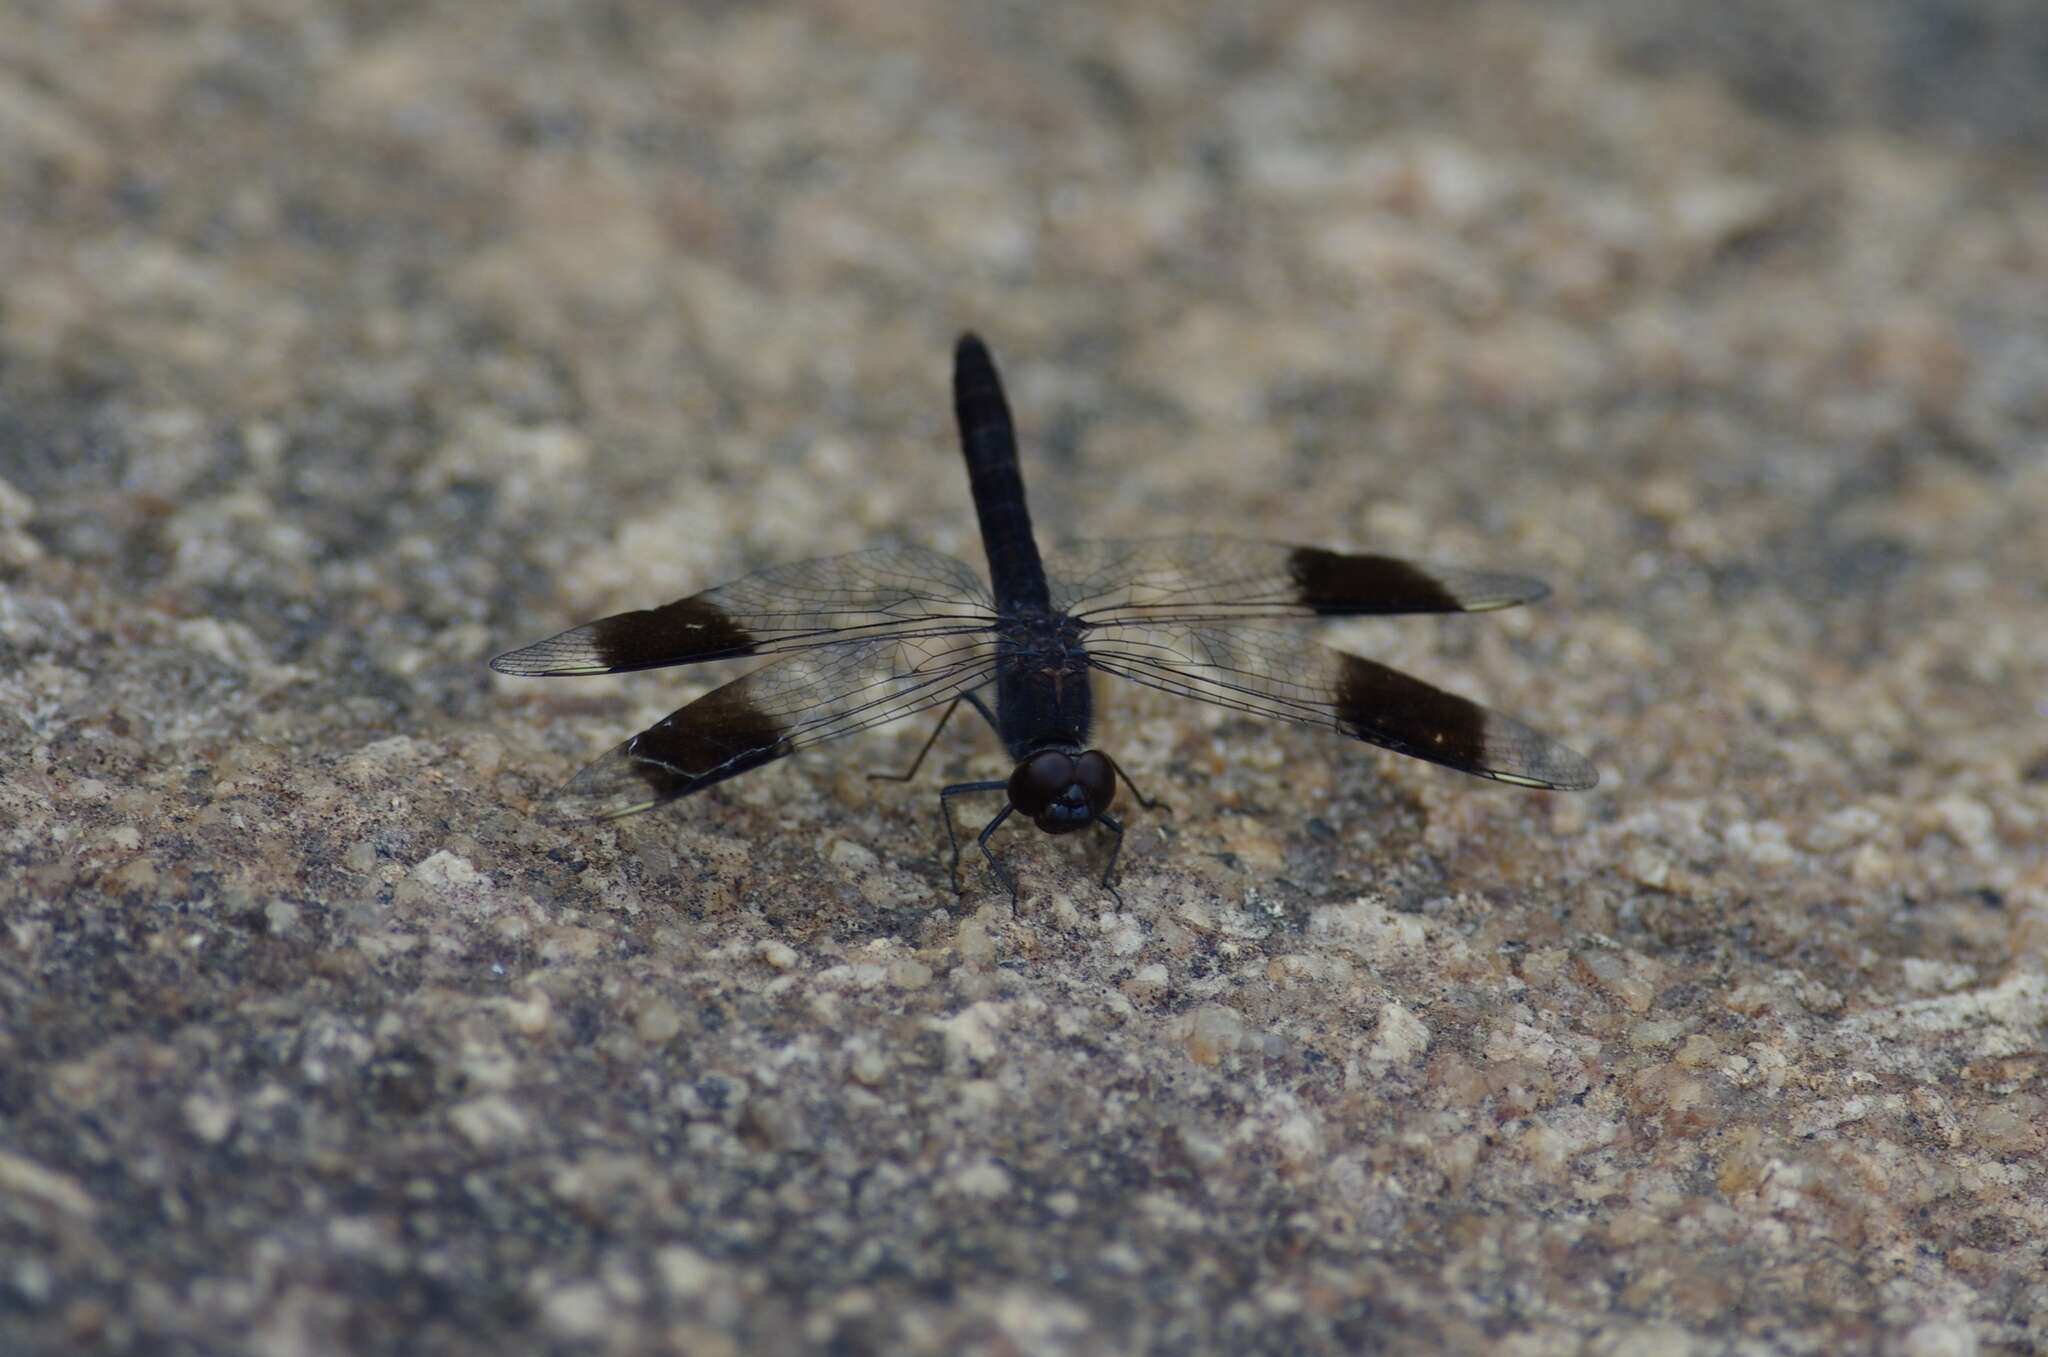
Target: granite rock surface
343,345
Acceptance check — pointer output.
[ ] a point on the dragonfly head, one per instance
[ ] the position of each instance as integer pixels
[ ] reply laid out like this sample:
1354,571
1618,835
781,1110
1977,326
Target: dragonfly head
1062,792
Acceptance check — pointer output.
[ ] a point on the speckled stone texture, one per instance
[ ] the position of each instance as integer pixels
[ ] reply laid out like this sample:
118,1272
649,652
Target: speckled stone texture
342,345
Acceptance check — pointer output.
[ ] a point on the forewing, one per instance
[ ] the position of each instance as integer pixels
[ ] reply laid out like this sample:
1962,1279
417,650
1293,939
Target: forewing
1224,579
789,704
1270,673
890,592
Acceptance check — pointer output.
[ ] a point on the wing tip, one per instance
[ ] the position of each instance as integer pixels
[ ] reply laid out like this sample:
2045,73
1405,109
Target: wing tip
1492,593
559,812
1526,589
514,666
598,792
1568,771
552,658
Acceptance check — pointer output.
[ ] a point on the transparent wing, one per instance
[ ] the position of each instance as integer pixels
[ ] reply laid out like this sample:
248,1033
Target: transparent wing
1221,579
789,704
1271,673
900,593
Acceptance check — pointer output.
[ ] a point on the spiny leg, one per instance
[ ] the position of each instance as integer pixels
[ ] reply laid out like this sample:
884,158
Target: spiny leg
946,813
973,699
917,762
1109,823
994,866
1147,802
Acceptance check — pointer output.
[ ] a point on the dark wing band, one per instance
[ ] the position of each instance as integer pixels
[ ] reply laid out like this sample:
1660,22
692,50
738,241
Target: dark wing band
1221,579
1270,673
790,704
887,593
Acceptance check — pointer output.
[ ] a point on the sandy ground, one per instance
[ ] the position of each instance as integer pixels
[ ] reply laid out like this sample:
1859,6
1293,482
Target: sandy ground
343,345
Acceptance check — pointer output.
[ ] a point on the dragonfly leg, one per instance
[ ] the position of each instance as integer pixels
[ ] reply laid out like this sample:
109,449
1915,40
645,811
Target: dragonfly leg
1109,823
1147,802
1002,874
946,813
917,762
973,699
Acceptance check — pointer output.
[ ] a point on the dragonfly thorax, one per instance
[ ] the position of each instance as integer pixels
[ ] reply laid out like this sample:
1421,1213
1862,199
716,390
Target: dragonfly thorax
1044,695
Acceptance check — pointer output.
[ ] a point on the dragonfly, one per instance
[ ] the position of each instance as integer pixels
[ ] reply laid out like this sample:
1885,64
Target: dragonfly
859,640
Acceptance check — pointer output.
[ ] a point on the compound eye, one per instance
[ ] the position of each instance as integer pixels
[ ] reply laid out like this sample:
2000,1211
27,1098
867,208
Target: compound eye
1039,780
1096,776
